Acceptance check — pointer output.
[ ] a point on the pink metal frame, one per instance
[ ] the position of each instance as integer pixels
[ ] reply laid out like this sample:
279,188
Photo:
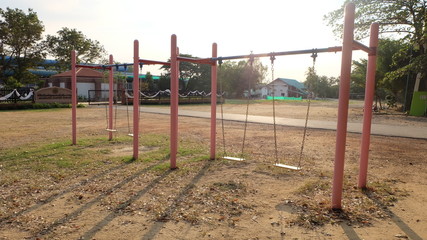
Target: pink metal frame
73,98
349,44
110,99
213,101
344,93
174,102
135,100
369,100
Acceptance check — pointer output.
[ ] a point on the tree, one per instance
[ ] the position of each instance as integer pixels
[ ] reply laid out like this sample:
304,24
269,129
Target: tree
404,18
235,78
392,55
164,82
20,48
148,83
321,86
192,76
60,46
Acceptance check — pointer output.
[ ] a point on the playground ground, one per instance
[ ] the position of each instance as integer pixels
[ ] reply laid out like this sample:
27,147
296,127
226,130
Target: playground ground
51,190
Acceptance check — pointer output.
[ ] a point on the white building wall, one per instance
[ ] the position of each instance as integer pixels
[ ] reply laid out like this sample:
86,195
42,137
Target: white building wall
280,89
83,88
105,87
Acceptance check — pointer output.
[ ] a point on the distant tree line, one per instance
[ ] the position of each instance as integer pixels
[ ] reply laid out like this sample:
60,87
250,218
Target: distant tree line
22,47
402,59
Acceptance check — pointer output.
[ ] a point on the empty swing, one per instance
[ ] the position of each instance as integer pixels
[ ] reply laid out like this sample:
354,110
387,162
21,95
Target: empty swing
277,161
127,96
241,158
114,126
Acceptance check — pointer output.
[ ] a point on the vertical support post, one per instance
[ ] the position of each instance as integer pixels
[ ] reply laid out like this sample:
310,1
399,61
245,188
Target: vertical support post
135,100
369,99
110,99
174,101
213,100
73,97
344,93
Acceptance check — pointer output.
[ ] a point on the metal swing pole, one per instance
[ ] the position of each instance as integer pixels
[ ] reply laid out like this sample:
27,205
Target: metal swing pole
214,75
73,97
367,113
174,102
110,100
135,100
344,93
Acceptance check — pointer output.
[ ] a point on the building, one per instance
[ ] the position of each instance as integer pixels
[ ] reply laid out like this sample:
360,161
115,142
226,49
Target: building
284,87
87,79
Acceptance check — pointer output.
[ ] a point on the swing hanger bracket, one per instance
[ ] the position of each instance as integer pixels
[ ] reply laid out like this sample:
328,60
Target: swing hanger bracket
314,55
272,57
251,59
220,61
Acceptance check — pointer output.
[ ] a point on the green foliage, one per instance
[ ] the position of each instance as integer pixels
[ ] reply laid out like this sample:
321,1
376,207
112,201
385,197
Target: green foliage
234,78
60,46
392,70
192,76
164,82
321,86
148,84
12,83
20,45
406,19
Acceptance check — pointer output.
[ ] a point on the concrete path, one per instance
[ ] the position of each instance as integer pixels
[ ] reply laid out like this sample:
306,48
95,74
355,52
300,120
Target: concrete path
377,129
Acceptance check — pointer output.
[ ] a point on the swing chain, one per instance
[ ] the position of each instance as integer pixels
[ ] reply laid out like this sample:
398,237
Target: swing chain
251,70
222,109
309,96
272,58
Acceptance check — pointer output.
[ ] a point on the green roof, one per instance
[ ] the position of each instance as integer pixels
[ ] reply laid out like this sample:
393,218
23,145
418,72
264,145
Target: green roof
293,83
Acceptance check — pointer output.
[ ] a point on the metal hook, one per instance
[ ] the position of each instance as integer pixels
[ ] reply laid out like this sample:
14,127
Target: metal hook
220,61
251,59
314,56
272,57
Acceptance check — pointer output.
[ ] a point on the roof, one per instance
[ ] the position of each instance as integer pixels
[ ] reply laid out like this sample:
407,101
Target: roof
293,83
81,72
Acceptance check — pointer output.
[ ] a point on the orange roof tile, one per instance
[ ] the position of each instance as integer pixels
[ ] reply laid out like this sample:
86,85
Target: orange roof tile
81,72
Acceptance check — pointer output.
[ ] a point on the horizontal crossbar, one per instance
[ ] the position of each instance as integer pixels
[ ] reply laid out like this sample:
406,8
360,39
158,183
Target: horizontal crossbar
359,46
297,52
196,60
152,62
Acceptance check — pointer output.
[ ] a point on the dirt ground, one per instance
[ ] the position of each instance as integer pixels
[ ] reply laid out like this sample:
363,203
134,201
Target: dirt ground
120,199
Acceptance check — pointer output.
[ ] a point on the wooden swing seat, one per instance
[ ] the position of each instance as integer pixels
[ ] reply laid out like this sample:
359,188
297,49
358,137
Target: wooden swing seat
233,158
287,166
110,130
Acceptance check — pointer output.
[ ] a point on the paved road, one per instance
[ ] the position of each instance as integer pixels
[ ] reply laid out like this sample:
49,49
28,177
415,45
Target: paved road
376,129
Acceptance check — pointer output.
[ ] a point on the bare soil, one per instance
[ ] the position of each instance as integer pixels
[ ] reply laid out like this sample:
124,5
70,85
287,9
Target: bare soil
115,198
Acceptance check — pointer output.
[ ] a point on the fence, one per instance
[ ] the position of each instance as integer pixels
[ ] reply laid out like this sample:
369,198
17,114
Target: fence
17,95
100,96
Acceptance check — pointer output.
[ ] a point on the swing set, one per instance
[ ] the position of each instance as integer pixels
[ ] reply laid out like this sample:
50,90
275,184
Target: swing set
349,44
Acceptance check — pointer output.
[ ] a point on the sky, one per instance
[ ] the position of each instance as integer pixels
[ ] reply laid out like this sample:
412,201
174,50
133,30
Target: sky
239,27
